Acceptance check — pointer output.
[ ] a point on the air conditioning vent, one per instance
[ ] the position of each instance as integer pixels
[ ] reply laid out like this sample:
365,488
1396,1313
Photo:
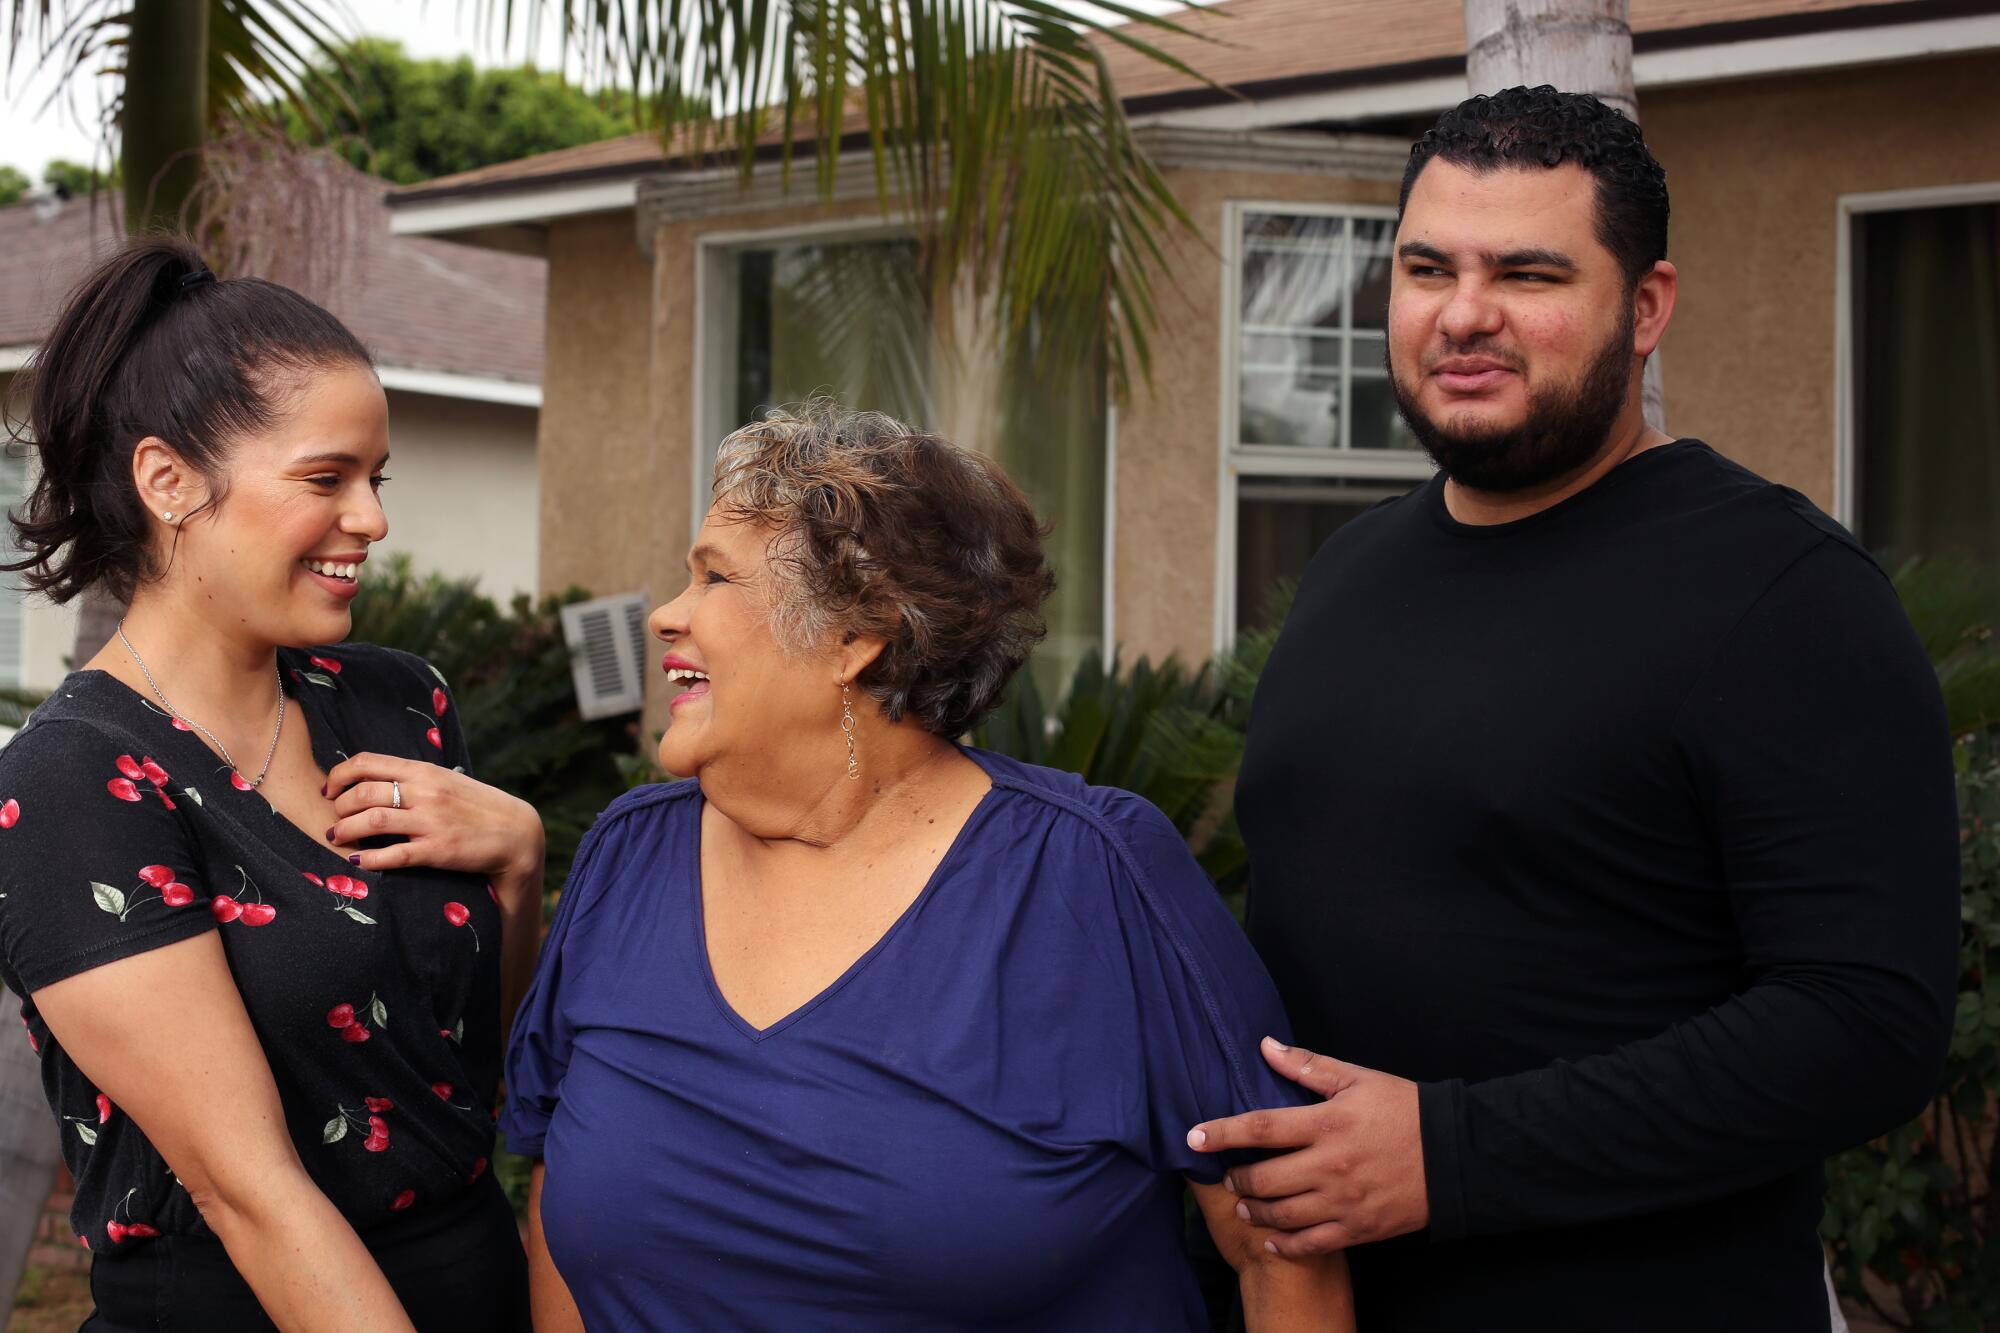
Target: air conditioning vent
607,643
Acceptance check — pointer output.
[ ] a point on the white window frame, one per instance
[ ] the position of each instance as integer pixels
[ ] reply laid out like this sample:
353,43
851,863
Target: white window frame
1846,459
1237,462
710,248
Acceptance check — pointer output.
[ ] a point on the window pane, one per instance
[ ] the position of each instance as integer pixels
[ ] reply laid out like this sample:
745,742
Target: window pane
1281,522
1927,349
1377,424
851,319
1372,237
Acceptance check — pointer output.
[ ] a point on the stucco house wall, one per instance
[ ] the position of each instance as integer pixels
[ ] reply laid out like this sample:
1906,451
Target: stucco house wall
1756,170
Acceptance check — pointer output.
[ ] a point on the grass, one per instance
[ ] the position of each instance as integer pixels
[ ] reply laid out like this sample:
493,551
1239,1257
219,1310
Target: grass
51,1300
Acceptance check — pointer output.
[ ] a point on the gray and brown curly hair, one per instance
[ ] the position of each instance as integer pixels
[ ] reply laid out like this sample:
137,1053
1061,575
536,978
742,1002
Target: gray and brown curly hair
887,531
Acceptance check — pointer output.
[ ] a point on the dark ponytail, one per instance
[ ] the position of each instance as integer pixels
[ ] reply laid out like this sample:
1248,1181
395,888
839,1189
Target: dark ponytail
148,345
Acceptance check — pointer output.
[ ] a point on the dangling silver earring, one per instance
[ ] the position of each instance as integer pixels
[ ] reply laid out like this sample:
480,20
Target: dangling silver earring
847,728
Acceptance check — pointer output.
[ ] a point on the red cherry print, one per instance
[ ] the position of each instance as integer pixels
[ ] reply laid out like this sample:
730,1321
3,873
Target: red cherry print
456,914
225,908
165,799
493,893
377,1125
130,768
238,781
354,1032
10,813
36,1046
259,914
83,1241
154,773
103,1108
326,664
142,1231
435,737
478,1170
443,1090
379,1103
117,1231
340,1016
314,878
123,789
439,702
346,887
180,724
373,1144
442,1032
157,876
177,895
403,1200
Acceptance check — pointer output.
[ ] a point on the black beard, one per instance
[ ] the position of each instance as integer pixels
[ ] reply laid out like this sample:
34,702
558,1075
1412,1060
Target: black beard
1566,427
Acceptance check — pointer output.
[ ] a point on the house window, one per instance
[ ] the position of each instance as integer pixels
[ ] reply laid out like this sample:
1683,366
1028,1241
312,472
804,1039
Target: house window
1311,432
1926,397
851,317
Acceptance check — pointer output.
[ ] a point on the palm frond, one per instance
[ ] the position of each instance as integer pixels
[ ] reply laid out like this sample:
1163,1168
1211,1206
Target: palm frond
993,126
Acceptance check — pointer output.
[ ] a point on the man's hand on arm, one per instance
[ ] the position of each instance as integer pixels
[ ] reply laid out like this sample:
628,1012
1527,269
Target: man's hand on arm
1346,1171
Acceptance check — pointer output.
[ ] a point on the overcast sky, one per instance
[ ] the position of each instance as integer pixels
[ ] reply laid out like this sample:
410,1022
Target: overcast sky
31,135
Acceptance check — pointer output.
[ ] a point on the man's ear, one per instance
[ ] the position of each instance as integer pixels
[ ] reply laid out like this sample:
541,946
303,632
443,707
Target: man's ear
165,481
1653,307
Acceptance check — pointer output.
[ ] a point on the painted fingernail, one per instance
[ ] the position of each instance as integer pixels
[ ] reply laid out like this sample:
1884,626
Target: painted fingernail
1243,1211
355,859
329,832
322,789
1197,1137
1277,1045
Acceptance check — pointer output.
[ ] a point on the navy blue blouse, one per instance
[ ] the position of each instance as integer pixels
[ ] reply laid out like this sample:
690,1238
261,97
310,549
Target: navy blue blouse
983,1121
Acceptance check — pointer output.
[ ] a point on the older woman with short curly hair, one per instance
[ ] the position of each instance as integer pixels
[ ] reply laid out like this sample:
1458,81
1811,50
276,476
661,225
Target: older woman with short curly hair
861,1028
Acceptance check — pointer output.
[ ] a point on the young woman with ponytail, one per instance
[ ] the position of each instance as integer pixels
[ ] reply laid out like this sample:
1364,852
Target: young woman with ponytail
266,930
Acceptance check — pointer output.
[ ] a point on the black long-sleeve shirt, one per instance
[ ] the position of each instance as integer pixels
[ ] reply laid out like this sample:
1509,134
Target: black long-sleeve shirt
1627,830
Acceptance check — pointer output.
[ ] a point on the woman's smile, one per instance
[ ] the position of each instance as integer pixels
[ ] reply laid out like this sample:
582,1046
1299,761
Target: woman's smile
680,671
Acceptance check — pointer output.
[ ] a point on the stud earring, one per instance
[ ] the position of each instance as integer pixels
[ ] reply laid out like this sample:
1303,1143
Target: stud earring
847,729
167,514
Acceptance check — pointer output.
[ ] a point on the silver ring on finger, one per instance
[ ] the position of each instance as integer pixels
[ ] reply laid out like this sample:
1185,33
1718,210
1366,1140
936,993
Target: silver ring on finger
395,794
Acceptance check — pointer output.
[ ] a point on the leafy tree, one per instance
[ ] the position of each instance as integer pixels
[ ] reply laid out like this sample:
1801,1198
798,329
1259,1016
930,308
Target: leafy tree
13,184
76,180
410,120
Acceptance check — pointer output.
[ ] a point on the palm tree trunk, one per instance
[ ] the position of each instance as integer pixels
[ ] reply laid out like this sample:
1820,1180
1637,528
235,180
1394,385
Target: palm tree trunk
1579,46
165,120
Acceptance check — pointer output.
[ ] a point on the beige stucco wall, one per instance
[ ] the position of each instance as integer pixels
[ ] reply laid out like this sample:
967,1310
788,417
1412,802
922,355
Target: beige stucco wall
603,490
461,494
1755,170
1170,433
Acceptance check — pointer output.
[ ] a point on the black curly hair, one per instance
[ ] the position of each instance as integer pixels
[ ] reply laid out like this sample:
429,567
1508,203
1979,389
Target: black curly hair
1540,127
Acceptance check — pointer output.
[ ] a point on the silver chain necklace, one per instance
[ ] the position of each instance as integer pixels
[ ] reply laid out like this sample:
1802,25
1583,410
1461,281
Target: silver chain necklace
214,739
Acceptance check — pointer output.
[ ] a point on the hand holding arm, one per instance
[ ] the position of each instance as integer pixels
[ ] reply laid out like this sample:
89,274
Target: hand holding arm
1354,1171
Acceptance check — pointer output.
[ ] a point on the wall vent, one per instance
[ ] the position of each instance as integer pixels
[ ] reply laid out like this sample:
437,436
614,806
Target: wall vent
607,644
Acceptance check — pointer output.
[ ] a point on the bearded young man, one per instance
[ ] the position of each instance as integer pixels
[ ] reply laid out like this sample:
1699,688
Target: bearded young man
1599,803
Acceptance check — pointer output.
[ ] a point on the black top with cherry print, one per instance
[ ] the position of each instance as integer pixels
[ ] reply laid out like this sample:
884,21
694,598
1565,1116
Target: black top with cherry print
376,996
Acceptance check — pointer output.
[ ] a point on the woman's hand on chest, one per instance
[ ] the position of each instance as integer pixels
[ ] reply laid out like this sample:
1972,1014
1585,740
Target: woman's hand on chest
447,819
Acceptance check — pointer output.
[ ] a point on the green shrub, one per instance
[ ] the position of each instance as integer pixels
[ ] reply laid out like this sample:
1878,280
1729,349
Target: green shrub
1913,1219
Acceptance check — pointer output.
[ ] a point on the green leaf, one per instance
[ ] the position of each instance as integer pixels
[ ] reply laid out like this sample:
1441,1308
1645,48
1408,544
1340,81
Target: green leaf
379,1012
359,915
322,679
440,675
458,1032
335,1131
87,1133
110,899
192,794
